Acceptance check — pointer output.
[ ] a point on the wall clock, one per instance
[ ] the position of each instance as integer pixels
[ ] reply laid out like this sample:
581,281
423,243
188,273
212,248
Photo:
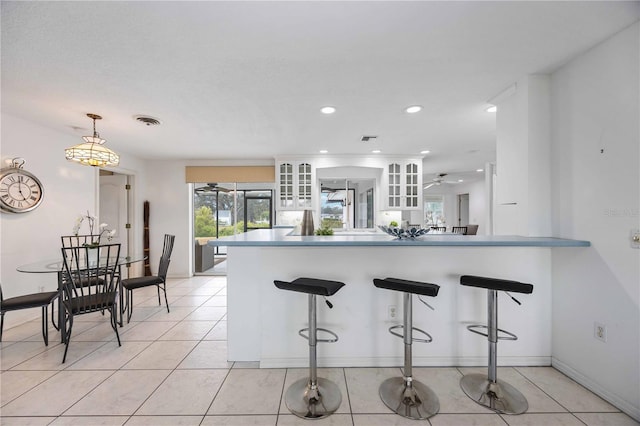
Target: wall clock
20,191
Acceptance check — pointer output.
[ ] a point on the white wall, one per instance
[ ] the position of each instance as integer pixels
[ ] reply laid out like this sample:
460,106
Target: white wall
69,190
523,200
596,197
170,212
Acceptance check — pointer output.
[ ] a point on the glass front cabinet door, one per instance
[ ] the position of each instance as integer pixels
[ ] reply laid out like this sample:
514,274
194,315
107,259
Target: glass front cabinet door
295,185
404,180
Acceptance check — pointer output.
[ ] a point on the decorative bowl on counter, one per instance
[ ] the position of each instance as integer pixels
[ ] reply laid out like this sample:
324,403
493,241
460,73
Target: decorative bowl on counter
400,233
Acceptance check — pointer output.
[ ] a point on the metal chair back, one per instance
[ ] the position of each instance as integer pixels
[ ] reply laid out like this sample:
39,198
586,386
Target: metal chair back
166,256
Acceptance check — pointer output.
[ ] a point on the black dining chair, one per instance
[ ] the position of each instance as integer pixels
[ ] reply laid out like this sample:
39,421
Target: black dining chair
472,229
439,228
459,230
27,301
79,240
160,280
90,284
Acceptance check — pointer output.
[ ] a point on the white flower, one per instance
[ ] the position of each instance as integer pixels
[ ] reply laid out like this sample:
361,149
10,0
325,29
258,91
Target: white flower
102,228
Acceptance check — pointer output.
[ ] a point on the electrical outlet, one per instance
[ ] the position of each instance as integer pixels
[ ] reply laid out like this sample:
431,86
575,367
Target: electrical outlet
600,332
392,311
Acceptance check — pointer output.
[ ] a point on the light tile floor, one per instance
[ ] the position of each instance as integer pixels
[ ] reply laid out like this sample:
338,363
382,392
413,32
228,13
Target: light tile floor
172,370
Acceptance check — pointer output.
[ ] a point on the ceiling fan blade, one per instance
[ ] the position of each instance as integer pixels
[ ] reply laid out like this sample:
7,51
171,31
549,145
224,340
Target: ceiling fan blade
429,186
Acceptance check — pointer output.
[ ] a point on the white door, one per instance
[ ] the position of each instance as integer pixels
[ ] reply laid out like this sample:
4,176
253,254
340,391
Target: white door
463,209
113,208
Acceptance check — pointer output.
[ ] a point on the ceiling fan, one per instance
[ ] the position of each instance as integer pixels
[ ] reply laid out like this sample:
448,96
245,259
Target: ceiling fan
438,180
211,188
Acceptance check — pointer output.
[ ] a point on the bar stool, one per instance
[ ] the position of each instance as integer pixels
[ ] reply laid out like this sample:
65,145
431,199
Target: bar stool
313,397
404,395
487,390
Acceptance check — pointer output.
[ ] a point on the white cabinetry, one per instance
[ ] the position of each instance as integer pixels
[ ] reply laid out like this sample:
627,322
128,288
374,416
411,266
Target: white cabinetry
295,181
404,185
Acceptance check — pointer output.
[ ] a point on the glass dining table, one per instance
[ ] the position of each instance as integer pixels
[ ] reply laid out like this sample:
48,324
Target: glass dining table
57,266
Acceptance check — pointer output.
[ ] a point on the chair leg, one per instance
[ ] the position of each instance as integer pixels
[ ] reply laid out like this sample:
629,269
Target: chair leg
114,322
487,390
53,316
405,395
129,305
159,302
164,289
45,326
1,325
67,339
313,397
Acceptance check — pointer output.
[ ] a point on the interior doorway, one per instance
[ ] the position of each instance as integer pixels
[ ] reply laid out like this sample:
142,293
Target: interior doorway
347,203
463,209
114,208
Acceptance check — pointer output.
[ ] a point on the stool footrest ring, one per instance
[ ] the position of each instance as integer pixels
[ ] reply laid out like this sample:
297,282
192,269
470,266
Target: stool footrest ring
429,339
301,332
508,336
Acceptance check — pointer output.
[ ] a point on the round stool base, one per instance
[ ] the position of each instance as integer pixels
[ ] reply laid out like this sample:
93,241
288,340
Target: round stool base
500,397
308,403
417,402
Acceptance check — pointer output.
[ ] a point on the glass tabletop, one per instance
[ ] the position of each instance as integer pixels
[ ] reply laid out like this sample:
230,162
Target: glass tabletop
56,265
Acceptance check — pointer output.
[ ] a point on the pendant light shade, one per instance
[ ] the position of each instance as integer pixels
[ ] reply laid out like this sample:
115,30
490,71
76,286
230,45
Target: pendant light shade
92,152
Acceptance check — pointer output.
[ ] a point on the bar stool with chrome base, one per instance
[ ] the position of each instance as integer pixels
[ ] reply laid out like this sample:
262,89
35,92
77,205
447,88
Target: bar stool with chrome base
404,395
313,397
487,390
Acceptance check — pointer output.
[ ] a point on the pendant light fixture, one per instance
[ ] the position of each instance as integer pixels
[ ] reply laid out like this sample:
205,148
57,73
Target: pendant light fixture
92,152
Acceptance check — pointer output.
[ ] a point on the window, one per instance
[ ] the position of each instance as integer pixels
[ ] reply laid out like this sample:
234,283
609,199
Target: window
335,210
433,211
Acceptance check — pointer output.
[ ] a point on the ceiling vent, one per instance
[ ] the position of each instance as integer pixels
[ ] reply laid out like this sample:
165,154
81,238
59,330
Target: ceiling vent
149,121
368,139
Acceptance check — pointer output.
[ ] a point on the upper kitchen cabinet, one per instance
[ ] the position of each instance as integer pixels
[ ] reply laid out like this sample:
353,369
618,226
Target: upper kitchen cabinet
403,185
295,181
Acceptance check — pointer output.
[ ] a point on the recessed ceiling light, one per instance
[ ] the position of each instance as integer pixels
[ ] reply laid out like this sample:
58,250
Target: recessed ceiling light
426,151
492,108
323,151
460,180
413,109
327,110
376,151
480,170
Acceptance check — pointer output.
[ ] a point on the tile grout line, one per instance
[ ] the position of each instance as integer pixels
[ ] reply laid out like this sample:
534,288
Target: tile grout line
542,390
284,382
346,385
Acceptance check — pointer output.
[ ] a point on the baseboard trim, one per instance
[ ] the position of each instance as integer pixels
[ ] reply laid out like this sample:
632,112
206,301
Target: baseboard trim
610,397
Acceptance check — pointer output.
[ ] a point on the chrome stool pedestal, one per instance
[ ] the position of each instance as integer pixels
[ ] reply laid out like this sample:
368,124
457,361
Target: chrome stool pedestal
404,395
487,390
313,397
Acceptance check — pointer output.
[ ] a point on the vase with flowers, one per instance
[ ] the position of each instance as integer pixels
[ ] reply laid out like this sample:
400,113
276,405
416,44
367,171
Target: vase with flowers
95,238
92,241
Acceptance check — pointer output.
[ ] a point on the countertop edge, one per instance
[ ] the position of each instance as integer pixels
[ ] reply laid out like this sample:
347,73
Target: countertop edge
279,238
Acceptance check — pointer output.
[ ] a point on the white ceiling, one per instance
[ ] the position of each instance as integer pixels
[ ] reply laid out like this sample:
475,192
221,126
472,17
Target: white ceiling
246,80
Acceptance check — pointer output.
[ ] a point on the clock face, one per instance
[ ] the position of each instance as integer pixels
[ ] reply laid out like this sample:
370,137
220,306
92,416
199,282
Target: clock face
20,191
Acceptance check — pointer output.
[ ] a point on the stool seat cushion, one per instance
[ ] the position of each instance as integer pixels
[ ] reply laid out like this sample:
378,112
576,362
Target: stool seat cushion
311,286
496,284
415,287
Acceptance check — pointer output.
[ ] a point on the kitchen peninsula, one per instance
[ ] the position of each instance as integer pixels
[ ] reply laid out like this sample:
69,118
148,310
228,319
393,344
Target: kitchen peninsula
263,322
